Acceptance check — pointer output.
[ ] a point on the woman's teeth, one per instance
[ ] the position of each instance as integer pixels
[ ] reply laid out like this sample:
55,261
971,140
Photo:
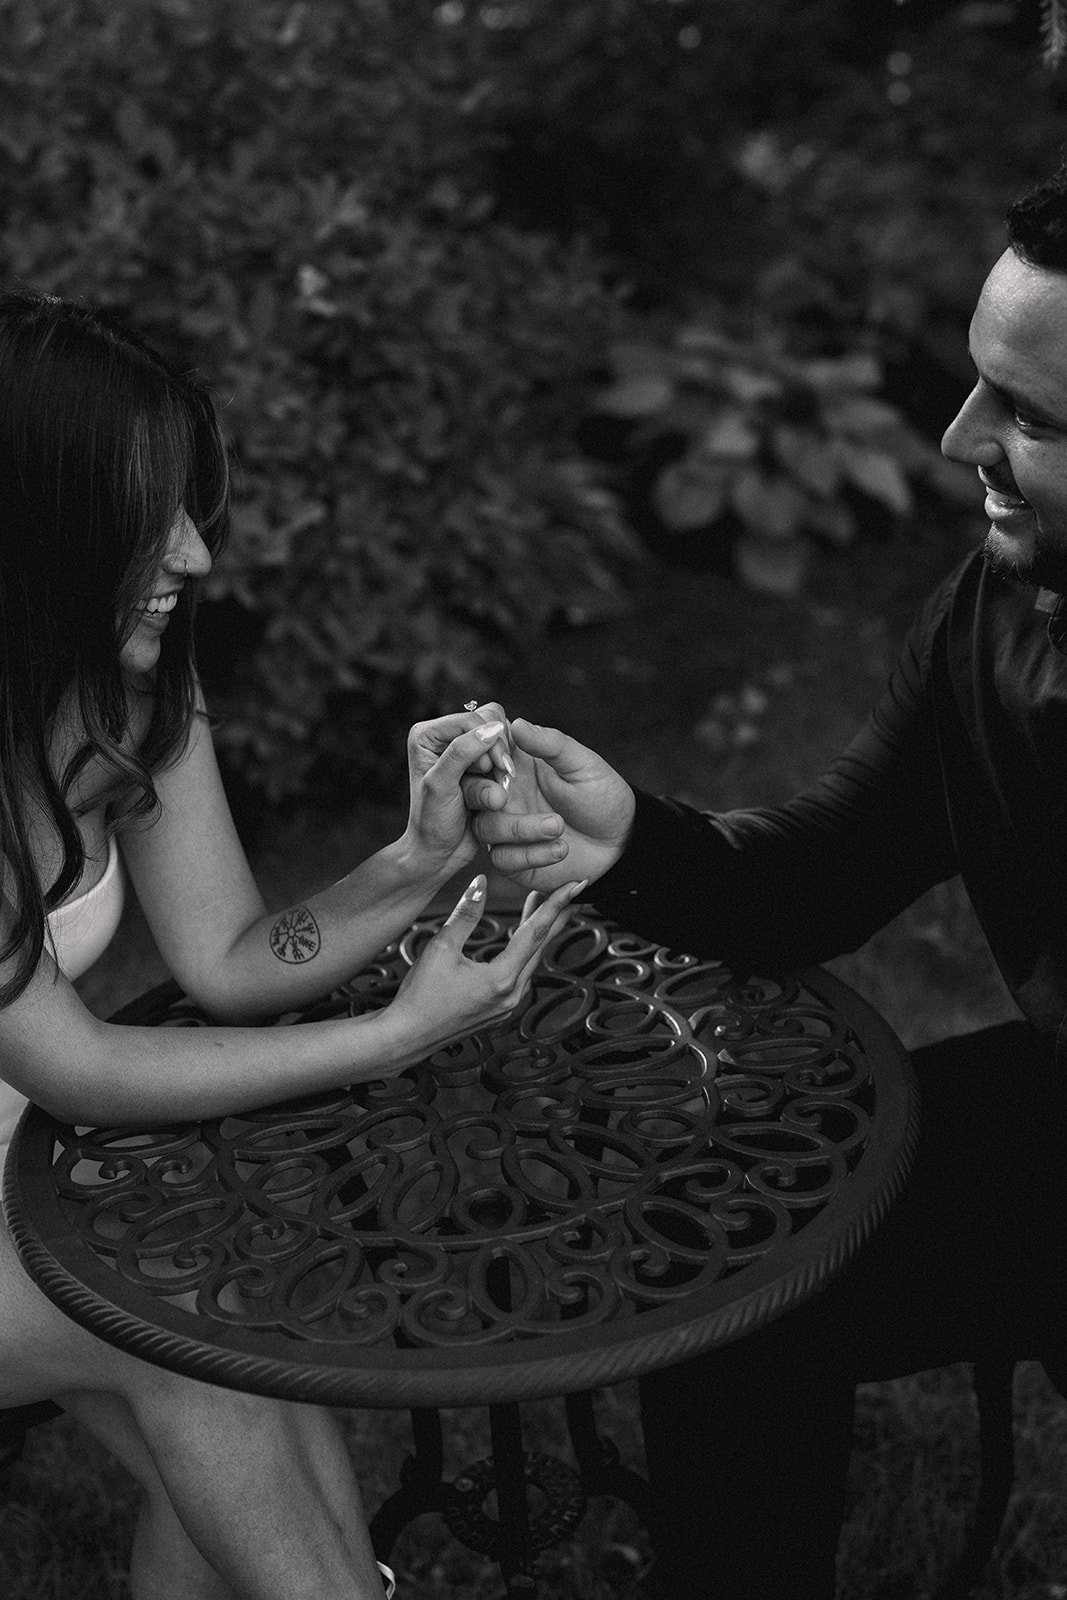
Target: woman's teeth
165,602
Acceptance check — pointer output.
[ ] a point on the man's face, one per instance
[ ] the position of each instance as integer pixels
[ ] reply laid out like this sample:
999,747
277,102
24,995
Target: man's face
1013,424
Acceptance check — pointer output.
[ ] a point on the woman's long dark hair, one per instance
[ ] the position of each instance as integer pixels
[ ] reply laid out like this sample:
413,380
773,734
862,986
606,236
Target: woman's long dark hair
102,443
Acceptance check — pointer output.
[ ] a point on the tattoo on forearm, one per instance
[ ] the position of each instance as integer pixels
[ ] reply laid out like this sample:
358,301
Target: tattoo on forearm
295,936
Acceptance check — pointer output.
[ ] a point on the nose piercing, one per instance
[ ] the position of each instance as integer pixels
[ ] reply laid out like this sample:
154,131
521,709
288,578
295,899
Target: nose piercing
185,566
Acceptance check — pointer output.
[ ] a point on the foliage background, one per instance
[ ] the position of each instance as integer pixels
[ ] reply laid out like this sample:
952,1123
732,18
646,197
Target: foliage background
284,196
405,243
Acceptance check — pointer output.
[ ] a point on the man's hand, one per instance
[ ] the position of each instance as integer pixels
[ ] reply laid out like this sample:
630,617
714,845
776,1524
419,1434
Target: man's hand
567,815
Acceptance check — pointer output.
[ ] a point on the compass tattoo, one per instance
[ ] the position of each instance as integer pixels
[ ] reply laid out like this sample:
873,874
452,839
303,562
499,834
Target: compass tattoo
295,936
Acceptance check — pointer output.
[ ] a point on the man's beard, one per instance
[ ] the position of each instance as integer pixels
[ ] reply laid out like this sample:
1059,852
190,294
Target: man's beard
1042,567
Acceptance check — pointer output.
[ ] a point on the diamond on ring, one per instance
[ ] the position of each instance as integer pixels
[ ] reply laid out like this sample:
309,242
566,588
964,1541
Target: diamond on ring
470,705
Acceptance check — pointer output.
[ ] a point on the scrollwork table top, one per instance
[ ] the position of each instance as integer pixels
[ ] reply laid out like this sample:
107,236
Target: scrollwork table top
651,1158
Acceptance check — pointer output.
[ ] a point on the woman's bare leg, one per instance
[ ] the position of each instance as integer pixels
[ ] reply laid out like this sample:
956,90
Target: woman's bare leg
294,1542
164,1560
245,1478
331,1465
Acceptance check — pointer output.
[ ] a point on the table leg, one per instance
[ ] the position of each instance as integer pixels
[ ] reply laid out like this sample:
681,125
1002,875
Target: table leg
598,1459
513,1511
993,1391
515,1536
422,1485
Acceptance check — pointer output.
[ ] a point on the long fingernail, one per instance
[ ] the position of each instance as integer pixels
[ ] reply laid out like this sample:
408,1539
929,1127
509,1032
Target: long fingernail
476,888
508,766
490,731
577,888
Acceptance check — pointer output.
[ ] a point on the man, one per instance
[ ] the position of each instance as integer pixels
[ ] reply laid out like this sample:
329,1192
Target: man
962,768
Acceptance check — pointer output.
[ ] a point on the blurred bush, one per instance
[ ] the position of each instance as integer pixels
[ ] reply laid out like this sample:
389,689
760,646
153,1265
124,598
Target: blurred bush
883,204
762,451
618,119
383,231
287,197
844,165
806,197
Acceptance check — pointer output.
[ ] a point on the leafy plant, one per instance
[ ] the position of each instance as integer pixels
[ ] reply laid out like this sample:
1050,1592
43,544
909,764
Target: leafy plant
287,197
779,447
847,177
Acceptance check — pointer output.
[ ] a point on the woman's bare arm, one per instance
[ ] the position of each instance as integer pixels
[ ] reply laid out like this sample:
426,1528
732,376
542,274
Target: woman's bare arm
233,956
56,1053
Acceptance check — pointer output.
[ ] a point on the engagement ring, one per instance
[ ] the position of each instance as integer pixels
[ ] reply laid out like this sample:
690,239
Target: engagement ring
470,705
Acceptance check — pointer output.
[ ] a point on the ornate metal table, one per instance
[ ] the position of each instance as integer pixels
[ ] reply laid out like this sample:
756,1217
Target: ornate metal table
650,1158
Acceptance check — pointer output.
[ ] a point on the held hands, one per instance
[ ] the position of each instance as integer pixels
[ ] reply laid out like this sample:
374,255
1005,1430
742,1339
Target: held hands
566,813
446,995
440,752
548,809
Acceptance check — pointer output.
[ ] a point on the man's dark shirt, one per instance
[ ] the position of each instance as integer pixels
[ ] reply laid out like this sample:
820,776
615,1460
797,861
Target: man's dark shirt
961,769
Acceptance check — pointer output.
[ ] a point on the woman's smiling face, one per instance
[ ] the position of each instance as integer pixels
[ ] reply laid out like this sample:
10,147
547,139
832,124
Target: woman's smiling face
186,556
1013,424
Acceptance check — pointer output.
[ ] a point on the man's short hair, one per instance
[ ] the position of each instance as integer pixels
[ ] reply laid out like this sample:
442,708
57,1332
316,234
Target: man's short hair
1037,223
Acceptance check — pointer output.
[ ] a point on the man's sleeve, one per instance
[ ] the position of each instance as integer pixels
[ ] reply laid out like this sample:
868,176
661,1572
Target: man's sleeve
805,881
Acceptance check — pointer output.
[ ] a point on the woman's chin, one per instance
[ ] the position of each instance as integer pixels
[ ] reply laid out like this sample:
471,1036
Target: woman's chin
140,653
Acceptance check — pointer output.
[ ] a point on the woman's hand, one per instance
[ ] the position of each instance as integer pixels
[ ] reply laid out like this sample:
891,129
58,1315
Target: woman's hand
440,753
447,995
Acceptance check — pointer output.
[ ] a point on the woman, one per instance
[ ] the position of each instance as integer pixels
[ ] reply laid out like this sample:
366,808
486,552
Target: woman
113,503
